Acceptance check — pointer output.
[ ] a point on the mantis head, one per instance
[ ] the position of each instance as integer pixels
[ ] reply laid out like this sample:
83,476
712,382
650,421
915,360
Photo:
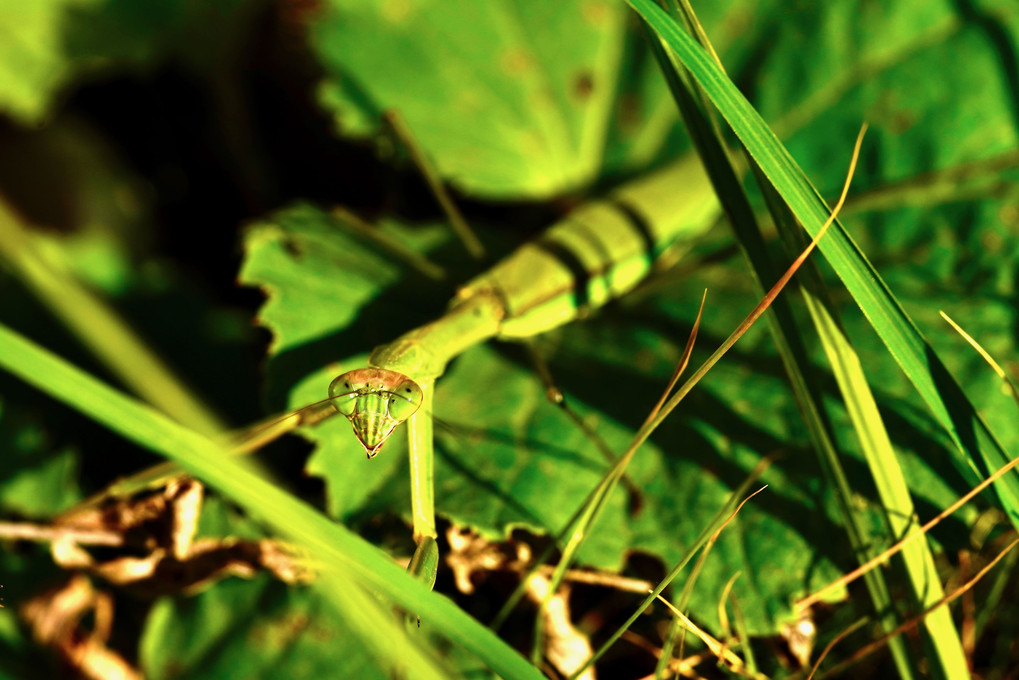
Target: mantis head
375,401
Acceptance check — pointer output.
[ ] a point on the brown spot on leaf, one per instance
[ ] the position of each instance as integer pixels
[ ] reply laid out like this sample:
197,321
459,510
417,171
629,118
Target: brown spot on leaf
583,85
292,248
629,113
902,121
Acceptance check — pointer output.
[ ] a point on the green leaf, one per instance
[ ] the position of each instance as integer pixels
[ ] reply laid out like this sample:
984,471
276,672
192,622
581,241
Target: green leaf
40,477
317,278
42,490
518,99
512,98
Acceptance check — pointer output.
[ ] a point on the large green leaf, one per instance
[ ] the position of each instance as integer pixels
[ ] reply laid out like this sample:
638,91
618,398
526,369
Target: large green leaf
511,97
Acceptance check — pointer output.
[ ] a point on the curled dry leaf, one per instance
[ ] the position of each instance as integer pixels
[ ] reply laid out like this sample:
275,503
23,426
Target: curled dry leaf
208,561
55,621
470,555
566,648
155,534
166,523
159,529
800,638
166,518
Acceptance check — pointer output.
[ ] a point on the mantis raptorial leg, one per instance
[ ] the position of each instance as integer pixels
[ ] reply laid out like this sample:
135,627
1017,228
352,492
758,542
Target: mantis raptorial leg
420,436
425,562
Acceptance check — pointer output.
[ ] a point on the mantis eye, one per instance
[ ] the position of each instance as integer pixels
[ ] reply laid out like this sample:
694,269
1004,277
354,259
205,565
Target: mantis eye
404,400
344,393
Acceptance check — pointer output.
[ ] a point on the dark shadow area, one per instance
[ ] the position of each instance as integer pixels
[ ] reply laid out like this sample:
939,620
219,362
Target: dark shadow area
1003,44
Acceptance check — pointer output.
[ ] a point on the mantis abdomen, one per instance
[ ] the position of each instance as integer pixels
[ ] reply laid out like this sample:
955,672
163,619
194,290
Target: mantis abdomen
597,253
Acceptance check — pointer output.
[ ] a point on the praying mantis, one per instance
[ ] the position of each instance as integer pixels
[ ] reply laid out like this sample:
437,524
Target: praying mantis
505,303
533,290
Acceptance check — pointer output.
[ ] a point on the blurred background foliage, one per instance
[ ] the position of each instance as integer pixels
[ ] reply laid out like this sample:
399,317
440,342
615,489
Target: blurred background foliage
141,137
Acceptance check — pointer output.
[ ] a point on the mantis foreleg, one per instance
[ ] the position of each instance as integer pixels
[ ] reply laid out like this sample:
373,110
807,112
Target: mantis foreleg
421,446
422,467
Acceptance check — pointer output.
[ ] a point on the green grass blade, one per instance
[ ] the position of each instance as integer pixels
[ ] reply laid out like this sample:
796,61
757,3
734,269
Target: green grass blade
98,327
866,420
342,557
948,657
785,331
978,450
889,479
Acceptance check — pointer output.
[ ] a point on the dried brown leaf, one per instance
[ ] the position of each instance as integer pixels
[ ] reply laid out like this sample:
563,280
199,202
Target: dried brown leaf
566,648
55,621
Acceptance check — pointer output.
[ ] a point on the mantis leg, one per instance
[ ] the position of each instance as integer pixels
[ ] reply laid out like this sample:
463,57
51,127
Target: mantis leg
425,562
